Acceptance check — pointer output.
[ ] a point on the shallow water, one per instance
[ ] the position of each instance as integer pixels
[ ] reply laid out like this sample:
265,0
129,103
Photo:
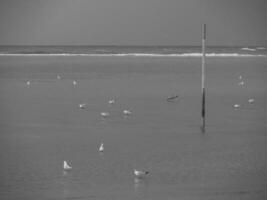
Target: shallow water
41,125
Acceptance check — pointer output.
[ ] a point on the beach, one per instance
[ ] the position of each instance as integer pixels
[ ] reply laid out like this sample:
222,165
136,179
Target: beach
41,125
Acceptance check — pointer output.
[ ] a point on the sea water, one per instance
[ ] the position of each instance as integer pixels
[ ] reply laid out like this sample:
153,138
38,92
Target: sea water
42,125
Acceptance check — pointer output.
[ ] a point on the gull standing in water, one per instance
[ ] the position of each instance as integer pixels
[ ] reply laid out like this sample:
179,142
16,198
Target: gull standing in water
111,101
82,105
105,114
139,173
74,82
127,112
66,166
28,82
58,77
251,100
101,148
241,83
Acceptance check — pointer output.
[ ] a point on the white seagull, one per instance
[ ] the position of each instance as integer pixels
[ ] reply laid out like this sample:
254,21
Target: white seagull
237,106
66,166
74,82
58,77
101,148
240,77
28,82
241,83
251,100
127,112
82,105
139,173
111,101
105,114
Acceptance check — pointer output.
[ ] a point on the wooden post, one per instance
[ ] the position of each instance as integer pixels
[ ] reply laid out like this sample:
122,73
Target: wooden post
203,112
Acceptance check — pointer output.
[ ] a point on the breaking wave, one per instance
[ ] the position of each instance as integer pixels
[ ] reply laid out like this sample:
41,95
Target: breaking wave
137,54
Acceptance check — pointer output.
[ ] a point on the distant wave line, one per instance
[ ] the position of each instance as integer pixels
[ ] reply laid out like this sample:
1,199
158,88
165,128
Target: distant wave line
139,55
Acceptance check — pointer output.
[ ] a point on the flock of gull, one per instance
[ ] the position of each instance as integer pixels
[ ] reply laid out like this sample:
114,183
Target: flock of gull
242,83
137,173
67,166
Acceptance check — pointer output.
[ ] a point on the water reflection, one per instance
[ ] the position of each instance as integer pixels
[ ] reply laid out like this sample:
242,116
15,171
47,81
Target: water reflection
64,173
140,186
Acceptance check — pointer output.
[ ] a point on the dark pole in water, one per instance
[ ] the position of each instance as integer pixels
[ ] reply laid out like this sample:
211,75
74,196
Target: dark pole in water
203,112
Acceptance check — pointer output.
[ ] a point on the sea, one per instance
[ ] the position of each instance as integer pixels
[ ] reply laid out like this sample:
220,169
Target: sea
51,104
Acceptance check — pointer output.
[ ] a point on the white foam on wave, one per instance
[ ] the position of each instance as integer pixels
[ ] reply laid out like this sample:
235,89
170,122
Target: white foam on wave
248,49
143,55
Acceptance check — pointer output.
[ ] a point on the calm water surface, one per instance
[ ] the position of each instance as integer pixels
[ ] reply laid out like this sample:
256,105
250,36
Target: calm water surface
41,125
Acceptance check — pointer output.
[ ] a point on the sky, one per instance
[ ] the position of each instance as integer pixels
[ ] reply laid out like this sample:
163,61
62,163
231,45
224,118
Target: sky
132,22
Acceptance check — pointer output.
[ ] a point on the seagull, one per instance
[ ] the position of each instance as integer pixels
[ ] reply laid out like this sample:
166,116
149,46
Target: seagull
171,98
240,77
74,82
112,101
66,166
127,112
241,83
82,105
105,114
251,100
237,106
58,77
28,82
101,148
140,174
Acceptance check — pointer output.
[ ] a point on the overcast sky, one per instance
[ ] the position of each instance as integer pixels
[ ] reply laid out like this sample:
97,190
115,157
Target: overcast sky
132,22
